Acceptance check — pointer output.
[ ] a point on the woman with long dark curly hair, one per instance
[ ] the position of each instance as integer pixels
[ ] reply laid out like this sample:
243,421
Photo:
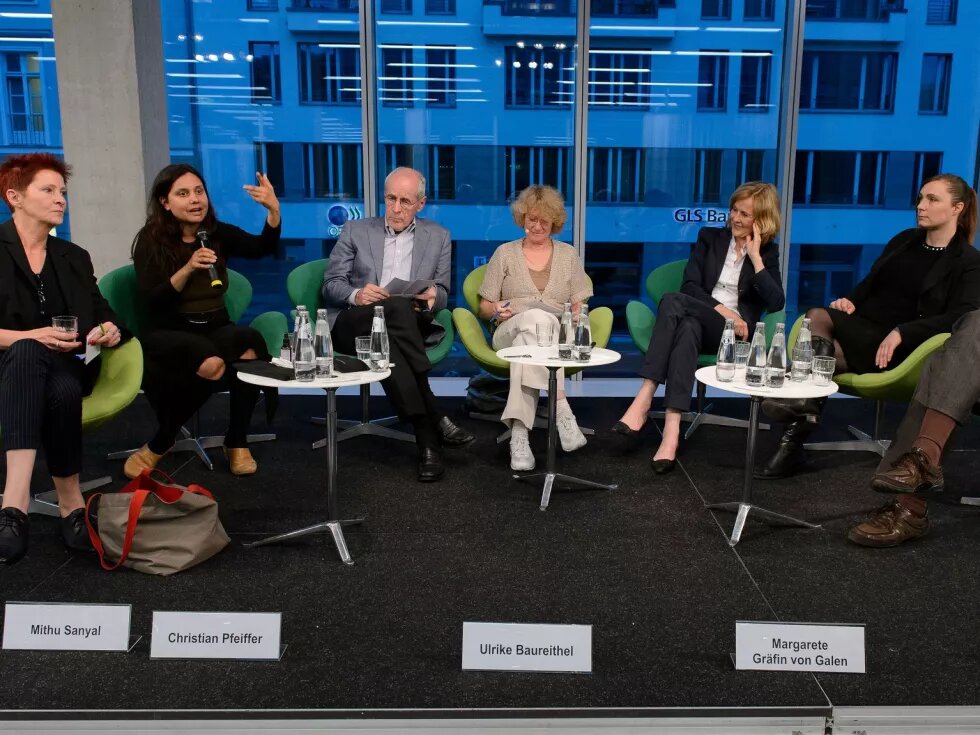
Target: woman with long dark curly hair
189,342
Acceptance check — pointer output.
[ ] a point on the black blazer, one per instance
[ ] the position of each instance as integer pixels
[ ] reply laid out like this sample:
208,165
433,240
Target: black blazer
757,292
73,266
950,289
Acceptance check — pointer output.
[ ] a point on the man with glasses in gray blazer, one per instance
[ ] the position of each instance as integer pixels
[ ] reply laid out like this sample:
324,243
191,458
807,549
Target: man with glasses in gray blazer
373,251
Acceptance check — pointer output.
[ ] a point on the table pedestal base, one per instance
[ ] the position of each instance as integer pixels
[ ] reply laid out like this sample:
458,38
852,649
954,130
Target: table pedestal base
549,474
551,477
334,524
743,510
746,505
334,528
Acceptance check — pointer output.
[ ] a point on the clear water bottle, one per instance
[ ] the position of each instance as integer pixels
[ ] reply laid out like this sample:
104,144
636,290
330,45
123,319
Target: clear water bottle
776,362
725,366
566,333
286,351
583,336
304,359
379,340
802,354
323,345
755,368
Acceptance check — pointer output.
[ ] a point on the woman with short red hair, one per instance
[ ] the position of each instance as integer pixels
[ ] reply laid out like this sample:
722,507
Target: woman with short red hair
42,381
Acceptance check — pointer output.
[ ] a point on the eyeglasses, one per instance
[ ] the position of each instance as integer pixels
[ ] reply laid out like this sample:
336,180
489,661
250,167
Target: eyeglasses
391,200
40,293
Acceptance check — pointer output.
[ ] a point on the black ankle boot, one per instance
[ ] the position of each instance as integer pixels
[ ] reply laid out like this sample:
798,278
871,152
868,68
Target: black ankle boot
787,410
822,347
792,409
790,455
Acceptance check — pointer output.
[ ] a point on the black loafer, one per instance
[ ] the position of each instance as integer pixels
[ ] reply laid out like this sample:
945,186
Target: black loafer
14,527
74,532
430,465
663,466
452,435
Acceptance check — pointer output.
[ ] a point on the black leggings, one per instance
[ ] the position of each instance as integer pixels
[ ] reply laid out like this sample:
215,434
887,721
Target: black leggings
41,403
176,391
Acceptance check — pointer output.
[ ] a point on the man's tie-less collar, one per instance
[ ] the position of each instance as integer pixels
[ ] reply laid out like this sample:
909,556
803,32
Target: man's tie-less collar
391,233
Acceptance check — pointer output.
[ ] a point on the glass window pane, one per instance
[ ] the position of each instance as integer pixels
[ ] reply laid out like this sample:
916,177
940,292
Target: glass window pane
481,114
664,158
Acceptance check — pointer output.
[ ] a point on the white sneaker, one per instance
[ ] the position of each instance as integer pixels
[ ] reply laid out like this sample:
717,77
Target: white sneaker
571,436
521,458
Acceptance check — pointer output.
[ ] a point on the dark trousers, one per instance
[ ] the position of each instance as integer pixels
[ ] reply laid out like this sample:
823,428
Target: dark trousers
685,328
41,403
408,387
176,392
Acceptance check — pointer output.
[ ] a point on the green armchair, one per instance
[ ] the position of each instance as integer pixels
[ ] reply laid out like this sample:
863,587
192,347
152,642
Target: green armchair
640,319
119,287
896,384
303,284
474,333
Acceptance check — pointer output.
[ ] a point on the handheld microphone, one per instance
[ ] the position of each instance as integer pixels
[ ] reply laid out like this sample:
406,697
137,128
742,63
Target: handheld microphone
202,242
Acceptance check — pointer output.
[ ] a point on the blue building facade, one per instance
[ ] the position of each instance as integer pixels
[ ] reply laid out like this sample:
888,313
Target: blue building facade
685,102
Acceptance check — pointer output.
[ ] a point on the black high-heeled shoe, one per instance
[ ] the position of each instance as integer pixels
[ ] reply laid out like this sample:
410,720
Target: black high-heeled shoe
663,466
623,429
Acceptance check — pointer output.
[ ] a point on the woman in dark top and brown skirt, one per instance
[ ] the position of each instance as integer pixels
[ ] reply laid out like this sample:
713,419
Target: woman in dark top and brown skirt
189,342
925,279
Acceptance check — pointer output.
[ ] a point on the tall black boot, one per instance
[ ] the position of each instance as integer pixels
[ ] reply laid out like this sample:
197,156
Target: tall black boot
791,409
790,455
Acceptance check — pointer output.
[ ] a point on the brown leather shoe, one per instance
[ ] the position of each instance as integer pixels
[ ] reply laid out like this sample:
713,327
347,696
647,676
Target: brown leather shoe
890,525
240,461
142,459
910,473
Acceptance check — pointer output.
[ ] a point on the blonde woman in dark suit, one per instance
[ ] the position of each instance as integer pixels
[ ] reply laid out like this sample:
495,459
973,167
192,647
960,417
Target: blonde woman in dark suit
733,273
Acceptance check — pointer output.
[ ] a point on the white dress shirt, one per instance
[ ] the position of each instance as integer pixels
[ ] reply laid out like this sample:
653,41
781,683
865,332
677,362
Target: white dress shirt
726,290
397,261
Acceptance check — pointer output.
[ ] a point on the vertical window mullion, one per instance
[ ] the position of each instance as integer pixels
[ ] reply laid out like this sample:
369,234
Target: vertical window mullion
856,181
809,176
862,84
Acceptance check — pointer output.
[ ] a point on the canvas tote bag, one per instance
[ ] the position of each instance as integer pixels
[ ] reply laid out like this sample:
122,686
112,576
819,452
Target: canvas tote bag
155,527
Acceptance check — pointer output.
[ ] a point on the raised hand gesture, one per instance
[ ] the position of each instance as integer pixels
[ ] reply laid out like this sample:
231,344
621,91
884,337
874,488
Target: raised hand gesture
265,195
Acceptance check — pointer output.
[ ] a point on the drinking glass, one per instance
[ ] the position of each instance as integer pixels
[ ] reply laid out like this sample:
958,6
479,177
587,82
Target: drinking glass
546,334
742,350
363,347
65,323
823,370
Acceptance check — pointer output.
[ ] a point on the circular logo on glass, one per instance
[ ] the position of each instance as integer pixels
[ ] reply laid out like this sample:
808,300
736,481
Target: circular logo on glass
337,215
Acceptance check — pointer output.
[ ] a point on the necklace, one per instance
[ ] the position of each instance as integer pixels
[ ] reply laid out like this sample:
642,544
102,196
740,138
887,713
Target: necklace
932,248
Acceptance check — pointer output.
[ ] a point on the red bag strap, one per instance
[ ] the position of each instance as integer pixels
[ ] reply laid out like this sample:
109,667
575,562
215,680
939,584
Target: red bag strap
135,506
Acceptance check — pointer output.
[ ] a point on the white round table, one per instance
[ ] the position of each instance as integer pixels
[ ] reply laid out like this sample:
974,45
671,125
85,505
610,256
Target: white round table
548,357
757,394
334,524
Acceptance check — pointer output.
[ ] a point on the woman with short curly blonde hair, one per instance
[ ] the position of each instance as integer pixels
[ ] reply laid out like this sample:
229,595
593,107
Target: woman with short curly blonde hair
542,200
733,273
527,284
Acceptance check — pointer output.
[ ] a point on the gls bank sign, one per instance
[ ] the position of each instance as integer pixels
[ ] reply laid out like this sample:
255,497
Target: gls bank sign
701,215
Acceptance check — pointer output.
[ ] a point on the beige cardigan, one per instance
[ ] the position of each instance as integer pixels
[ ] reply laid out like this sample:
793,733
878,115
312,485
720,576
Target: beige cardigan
508,278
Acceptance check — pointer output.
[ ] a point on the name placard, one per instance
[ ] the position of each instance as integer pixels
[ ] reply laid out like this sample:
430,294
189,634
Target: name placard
216,635
525,647
799,647
29,626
